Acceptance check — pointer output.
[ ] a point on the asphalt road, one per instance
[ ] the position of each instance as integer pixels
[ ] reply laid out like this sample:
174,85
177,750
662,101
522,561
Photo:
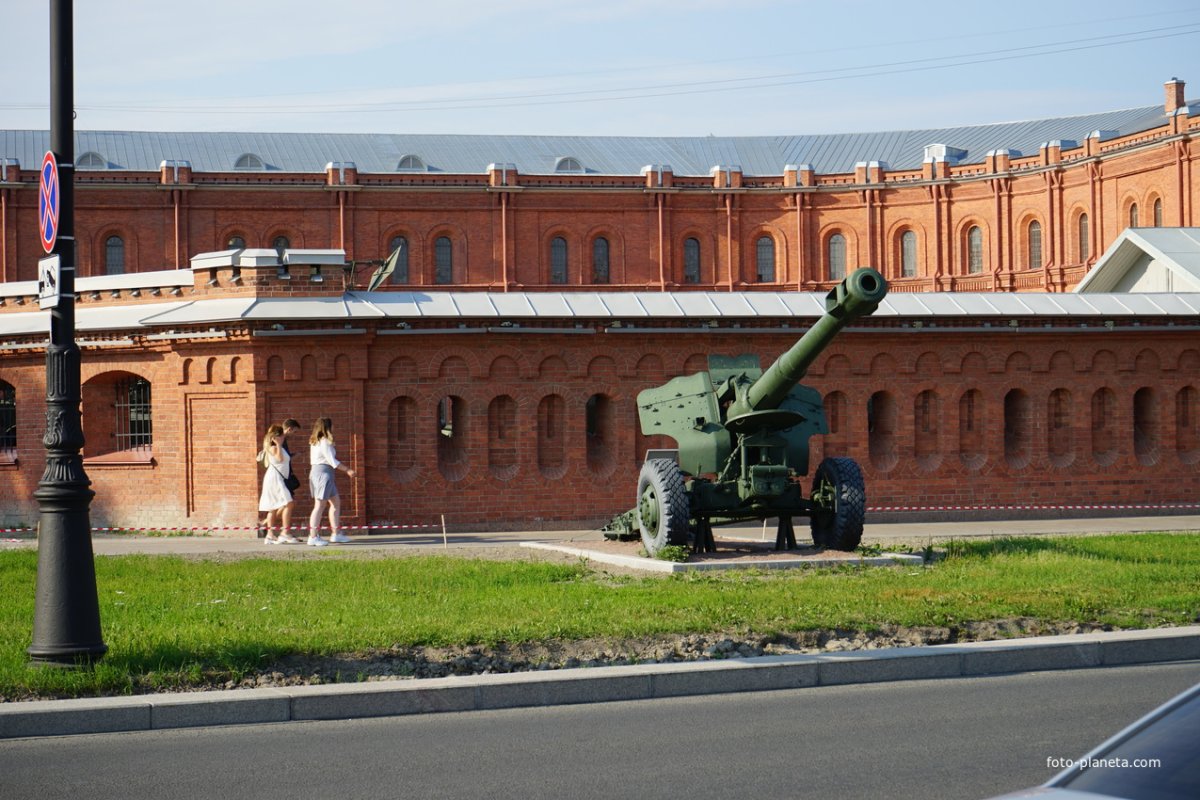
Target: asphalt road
956,738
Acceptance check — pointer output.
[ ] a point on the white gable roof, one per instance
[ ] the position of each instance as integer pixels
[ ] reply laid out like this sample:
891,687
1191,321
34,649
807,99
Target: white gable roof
1147,260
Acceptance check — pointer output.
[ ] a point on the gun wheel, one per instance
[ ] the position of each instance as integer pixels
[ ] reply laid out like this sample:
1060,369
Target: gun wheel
840,498
662,510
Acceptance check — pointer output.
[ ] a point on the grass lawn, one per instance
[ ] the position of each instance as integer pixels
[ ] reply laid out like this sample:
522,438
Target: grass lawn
168,620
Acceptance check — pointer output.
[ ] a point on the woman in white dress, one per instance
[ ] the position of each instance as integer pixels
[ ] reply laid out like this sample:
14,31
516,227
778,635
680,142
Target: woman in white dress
323,463
275,499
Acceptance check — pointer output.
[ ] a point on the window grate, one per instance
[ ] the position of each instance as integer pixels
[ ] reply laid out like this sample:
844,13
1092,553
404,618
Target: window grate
133,429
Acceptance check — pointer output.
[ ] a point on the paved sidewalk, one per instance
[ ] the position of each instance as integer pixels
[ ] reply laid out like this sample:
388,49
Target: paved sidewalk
914,533
593,685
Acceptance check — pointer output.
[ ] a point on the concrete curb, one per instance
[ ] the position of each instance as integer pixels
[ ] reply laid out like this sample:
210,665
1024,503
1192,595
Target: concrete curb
655,565
592,685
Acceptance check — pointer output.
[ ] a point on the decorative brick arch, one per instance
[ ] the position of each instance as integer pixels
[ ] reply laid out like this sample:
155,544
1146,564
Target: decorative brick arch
893,258
294,238
1024,257
707,242
779,248
426,268
849,236
100,249
616,253
1128,201
961,264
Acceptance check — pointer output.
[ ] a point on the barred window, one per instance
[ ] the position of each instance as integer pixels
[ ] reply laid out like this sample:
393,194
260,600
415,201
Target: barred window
558,260
8,419
691,260
235,243
908,255
400,272
600,270
1157,213
114,256
443,260
1133,216
133,424
1084,243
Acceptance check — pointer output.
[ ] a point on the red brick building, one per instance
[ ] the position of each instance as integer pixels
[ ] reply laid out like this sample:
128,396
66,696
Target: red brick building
542,282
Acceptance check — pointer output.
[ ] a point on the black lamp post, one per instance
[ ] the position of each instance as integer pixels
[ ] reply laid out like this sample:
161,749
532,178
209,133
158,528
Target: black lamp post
66,623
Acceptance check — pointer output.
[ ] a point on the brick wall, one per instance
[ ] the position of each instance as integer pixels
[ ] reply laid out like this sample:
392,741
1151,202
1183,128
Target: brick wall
965,417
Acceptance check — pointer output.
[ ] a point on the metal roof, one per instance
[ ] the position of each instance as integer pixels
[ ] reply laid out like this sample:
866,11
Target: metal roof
636,307
1176,250
538,155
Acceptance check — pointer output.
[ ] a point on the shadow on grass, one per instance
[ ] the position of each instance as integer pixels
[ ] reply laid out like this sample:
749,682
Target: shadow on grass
1133,548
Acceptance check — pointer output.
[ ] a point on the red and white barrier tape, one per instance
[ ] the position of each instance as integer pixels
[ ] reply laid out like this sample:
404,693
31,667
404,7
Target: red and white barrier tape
1046,507
871,509
223,528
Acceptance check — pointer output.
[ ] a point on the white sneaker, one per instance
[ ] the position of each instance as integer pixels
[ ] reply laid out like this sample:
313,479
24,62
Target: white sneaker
316,541
287,538
340,538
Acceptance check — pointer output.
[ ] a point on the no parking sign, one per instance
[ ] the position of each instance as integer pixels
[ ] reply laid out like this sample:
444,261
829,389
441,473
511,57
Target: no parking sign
48,202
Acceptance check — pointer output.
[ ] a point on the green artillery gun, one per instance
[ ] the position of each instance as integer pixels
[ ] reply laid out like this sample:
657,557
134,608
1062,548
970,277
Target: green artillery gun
742,437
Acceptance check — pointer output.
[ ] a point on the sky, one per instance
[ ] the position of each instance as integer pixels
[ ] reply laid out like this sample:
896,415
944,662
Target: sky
606,67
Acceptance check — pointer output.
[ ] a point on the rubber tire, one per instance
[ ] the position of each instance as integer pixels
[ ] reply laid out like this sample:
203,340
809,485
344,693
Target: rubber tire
840,527
661,493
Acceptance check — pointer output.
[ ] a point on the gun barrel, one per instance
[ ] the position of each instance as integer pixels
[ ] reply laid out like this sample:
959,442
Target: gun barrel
856,296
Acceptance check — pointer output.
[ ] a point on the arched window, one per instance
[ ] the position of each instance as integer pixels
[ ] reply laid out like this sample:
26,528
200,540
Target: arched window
114,256
411,163
600,271
248,161
975,250
91,160
691,260
568,164
558,260
8,420
1158,212
1034,253
837,257
235,242
908,254
443,260
400,271
764,259
1133,215
1084,243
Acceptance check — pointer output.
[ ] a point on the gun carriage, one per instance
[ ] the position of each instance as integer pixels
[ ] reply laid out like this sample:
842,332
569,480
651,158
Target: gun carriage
742,444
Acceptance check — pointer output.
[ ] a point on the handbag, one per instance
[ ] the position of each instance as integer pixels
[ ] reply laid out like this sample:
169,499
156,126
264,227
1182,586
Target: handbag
290,480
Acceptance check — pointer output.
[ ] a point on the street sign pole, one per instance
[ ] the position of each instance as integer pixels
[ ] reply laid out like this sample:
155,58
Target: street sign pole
66,623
